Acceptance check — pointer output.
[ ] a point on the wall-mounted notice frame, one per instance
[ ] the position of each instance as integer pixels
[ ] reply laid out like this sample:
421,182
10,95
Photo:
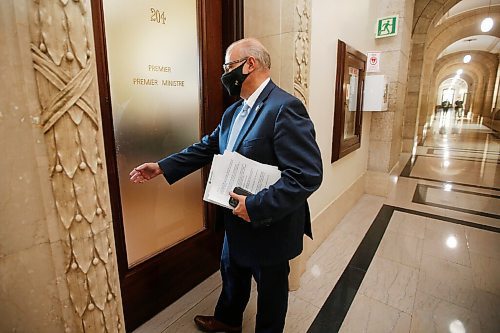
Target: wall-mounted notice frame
347,120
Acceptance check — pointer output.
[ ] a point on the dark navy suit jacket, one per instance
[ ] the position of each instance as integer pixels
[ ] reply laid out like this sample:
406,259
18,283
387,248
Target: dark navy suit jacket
278,131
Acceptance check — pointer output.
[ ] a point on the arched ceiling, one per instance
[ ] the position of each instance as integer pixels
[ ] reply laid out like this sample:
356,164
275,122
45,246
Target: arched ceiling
485,43
427,11
456,29
466,5
466,77
454,81
430,13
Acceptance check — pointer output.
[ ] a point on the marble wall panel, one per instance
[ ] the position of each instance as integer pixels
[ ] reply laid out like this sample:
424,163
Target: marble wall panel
30,300
379,157
380,122
262,18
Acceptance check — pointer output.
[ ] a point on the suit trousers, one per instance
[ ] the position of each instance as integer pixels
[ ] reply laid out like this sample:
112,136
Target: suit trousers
272,293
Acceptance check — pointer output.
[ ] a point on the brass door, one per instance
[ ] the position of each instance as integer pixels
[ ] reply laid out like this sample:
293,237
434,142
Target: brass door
159,64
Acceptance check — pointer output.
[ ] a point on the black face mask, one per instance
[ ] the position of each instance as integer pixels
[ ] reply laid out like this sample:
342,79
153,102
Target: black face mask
233,80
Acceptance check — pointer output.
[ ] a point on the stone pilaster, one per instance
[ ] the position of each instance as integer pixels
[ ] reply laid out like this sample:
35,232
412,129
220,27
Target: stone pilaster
284,28
66,279
386,127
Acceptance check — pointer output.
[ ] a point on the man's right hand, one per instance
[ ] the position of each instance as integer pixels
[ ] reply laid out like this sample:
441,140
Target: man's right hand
145,172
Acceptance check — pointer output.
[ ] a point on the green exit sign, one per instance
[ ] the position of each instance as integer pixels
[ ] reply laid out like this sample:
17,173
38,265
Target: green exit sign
387,26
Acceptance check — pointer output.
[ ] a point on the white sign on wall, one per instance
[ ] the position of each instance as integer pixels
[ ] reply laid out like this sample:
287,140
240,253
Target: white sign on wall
373,62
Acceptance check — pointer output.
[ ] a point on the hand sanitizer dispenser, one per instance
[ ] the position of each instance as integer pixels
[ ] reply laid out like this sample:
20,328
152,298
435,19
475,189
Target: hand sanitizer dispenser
376,93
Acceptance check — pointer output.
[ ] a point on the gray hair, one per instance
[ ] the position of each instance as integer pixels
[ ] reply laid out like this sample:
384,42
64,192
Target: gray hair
251,47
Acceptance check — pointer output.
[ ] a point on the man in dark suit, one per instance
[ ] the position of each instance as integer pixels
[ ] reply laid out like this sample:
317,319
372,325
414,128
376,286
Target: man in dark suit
265,230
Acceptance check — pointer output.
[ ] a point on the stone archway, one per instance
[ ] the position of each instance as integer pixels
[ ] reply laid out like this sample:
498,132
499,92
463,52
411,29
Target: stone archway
469,77
428,41
483,69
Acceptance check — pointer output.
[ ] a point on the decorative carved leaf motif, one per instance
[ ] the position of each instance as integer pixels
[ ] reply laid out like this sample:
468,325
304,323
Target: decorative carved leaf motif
93,321
80,230
88,134
85,193
102,192
51,149
78,290
98,290
65,200
302,46
77,32
101,244
35,23
68,95
83,244
299,49
111,318
47,86
68,149
83,6
76,114
111,267
83,252
53,29
99,224
67,253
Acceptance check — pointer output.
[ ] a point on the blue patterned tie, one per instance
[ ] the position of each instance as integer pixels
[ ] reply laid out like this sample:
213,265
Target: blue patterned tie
237,125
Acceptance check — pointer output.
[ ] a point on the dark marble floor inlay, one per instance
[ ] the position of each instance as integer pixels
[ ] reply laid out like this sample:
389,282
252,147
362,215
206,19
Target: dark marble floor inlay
420,197
406,173
434,150
334,310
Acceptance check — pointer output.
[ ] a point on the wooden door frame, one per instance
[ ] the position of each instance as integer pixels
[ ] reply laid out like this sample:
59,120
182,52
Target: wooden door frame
213,39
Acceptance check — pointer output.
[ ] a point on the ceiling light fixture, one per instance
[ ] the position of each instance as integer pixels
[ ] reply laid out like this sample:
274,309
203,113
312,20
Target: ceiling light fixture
468,57
487,23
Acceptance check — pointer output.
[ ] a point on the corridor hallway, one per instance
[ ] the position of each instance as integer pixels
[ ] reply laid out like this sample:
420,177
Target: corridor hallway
424,259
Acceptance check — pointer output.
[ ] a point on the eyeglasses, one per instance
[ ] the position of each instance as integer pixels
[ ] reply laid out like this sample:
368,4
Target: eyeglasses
227,66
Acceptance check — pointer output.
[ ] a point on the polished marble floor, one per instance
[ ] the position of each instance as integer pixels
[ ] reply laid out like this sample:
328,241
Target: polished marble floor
424,259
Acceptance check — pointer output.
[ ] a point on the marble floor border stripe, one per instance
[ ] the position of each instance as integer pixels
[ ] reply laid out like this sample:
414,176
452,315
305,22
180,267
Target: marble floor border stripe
448,219
434,149
463,159
420,197
462,149
462,191
410,164
458,158
335,308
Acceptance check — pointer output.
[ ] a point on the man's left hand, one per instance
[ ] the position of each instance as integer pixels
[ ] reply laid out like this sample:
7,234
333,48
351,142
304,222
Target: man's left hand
241,209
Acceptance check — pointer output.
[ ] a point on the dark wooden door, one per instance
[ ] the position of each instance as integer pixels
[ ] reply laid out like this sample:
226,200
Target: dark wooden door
152,283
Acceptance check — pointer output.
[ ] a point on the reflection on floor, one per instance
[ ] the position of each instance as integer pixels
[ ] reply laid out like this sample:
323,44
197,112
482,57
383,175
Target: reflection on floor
424,259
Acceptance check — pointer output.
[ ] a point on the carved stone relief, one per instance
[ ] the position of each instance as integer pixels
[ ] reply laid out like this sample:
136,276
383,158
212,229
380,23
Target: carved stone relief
65,74
302,50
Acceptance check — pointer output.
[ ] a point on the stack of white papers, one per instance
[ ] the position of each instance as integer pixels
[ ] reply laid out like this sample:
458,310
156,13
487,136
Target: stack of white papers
231,170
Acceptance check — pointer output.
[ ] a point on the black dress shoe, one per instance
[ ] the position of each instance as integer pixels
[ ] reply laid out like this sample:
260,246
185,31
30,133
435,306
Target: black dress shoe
210,324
